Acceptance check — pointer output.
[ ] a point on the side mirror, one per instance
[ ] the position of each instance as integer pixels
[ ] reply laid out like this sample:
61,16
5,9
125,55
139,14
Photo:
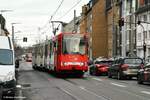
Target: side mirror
17,63
90,62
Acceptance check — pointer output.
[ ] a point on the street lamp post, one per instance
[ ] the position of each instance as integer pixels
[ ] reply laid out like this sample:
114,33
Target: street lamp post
13,31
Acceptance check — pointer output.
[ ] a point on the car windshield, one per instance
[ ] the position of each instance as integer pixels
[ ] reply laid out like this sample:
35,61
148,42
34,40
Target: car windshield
133,61
6,57
148,65
74,44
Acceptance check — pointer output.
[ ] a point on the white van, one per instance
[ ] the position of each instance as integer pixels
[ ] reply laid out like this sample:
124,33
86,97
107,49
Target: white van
7,66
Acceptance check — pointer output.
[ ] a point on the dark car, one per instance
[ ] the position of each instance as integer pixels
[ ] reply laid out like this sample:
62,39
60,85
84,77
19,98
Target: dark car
144,74
100,67
125,67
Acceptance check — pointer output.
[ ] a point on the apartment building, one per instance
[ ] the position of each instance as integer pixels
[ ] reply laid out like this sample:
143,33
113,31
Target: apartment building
113,29
143,30
93,21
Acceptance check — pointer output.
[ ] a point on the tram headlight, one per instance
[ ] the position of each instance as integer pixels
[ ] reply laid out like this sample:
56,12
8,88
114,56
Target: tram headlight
66,63
81,63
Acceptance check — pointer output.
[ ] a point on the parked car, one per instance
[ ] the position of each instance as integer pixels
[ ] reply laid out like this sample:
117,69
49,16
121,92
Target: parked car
100,66
144,74
125,67
29,57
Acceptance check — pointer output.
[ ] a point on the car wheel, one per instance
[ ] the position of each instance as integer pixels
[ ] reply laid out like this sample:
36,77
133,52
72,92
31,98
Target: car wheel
109,75
91,73
130,77
139,81
95,73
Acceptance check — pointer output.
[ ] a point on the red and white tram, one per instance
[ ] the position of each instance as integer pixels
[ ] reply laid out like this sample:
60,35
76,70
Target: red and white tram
69,53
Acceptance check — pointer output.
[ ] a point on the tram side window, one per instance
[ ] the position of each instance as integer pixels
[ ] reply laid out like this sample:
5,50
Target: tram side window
51,49
46,50
59,48
64,47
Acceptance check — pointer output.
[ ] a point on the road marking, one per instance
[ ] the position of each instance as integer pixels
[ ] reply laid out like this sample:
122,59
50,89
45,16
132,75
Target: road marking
16,97
18,86
119,85
145,92
97,79
67,92
101,97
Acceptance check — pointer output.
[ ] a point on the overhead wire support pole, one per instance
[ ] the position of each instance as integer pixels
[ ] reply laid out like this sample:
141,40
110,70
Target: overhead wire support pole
131,38
13,31
75,30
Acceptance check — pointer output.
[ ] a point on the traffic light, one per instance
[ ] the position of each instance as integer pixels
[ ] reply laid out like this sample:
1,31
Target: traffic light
25,39
139,22
121,22
144,47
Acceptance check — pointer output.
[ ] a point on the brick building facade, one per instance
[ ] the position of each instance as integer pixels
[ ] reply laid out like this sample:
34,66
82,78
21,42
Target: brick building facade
94,22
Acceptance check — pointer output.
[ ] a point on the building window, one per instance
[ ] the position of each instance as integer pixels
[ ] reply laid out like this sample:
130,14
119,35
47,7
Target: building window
128,6
141,2
145,32
144,17
127,36
149,16
108,4
90,28
94,2
148,51
146,2
139,37
149,34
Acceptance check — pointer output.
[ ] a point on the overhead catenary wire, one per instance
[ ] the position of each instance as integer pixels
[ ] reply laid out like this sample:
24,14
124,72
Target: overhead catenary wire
69,10
49,21
54,29
54,13
56,10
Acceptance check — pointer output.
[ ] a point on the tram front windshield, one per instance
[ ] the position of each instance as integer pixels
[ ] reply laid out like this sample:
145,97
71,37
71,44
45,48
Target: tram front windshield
74,44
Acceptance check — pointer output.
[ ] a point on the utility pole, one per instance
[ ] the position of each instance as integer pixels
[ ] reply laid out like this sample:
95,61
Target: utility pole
131,36
114,31
13,31
75,30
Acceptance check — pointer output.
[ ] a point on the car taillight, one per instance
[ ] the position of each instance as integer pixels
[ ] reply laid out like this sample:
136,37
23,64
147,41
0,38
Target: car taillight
97,65
124,67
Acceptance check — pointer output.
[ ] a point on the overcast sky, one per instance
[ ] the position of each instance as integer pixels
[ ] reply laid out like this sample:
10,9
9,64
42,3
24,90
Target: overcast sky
32,14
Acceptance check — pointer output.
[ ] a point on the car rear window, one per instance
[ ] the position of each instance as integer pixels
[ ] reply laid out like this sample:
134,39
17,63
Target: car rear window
103,62
133,61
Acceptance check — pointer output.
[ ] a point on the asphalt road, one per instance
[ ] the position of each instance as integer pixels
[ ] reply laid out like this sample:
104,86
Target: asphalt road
36,85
